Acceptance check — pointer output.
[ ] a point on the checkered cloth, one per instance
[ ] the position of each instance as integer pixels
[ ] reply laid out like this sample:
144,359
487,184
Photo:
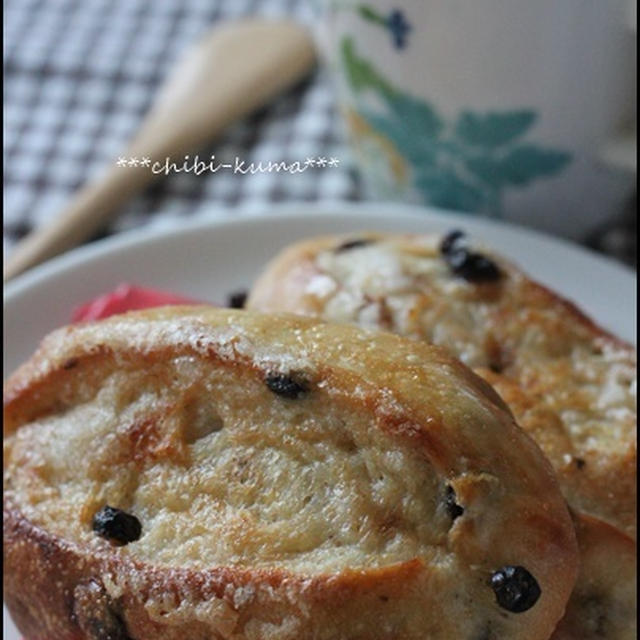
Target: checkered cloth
79,76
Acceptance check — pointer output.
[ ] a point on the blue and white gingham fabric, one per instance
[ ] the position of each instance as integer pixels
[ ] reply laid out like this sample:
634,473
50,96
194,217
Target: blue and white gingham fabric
79,77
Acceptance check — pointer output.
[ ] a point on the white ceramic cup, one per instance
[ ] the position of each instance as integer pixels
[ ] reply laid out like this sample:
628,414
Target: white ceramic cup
496,107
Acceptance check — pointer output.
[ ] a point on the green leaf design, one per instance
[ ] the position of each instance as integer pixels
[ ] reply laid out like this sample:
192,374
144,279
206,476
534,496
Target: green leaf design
481,145
415,148
443,188
493,129
360,74
528,162
415,115
489,170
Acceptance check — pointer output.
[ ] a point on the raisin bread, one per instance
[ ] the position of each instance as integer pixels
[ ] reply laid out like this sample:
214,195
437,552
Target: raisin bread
201,473
489,314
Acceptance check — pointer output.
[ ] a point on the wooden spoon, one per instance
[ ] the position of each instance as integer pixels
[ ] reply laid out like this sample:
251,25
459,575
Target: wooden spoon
235,69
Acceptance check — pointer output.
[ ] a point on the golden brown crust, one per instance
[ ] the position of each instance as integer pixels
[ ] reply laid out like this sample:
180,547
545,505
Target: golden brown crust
568,366
55,590
421,411
581,471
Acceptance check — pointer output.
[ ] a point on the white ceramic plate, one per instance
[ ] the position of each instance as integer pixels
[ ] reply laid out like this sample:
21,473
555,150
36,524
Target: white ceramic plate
208,258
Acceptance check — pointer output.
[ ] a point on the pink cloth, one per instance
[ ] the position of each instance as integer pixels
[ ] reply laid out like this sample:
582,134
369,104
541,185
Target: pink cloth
127,297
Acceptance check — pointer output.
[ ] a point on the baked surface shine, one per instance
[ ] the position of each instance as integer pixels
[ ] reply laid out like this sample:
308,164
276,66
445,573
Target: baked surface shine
293,480
569,368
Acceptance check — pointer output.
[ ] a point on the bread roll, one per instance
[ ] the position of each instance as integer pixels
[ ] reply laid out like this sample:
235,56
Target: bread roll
201,473
488,313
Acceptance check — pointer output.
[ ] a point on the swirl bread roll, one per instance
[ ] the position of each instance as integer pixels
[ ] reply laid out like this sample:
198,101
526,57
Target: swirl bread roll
489,314
202,473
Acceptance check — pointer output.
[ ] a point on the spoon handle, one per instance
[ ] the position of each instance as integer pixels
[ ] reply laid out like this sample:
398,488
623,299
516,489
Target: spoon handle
234,70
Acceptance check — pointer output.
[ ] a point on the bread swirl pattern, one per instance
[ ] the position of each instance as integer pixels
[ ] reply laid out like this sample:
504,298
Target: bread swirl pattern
292,480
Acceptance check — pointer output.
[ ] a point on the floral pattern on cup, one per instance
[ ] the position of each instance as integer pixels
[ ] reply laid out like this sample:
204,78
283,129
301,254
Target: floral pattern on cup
465,163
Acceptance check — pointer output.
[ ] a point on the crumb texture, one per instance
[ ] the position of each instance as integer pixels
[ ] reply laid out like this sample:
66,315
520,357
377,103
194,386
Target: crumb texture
304,485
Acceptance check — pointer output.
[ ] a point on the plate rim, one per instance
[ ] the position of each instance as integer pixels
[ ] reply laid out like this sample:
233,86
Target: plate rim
283,212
